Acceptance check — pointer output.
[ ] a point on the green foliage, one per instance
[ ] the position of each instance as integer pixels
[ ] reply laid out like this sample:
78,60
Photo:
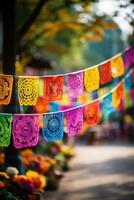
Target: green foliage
61,25
6,195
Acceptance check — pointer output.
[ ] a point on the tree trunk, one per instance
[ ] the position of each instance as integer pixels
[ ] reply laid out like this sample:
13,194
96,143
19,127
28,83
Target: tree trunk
9,55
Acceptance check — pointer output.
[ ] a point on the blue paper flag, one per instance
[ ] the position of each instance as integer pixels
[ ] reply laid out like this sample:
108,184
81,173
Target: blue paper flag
128,82
53,127
107,106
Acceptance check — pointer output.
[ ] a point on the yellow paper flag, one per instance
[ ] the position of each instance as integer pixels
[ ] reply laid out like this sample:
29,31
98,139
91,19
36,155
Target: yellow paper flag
92,79
117,66
28,89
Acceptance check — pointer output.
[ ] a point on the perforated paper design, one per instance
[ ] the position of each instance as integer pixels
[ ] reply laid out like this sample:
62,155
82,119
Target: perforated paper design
28,89
53,127
117,66
92,113
25,130
91,79
6,84
53,88
105,73
5,129
74,120
75,84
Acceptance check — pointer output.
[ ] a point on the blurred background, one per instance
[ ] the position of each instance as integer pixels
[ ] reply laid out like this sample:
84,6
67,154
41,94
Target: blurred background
40,37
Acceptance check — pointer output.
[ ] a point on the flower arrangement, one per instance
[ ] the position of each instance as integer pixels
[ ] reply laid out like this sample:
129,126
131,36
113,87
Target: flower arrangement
37,162
21,185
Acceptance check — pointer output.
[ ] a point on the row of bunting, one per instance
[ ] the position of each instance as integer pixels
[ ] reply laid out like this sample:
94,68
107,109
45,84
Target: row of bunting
90,79
25,128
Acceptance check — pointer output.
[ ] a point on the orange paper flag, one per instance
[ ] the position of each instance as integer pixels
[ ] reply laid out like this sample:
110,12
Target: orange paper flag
92,113
6,84
118,96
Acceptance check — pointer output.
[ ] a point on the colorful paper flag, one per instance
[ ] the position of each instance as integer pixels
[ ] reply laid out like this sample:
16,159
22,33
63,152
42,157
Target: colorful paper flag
107,106
92,79
74,121
25,130
105,73
117,66
128,57
118,96
6,84
92,113
132,94
5,129
28,89
53,127
128,82
128,100
53,88
75,84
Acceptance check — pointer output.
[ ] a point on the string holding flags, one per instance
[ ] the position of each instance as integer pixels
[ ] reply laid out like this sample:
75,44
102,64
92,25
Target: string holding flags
51,87
25,127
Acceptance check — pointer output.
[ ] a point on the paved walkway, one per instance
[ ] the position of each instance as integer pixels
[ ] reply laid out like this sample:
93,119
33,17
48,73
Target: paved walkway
98,173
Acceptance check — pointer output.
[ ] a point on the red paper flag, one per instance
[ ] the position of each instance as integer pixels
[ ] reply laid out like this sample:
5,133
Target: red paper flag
53,88
92,113
105,73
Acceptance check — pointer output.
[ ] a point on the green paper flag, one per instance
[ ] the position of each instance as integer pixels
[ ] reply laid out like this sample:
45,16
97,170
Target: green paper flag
128,100
5,129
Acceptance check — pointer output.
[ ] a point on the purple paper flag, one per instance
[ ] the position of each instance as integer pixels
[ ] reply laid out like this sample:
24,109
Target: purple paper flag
74,120
128,57
25,130
75,84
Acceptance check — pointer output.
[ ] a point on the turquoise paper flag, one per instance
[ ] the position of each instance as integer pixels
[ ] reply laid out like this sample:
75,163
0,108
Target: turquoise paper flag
107,106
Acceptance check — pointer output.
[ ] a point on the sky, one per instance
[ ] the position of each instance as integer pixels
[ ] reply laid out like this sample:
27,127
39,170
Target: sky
108,7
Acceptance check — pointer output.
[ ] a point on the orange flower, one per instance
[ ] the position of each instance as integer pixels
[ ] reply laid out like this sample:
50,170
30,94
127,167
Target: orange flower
2,184
24,183
39,181
27,156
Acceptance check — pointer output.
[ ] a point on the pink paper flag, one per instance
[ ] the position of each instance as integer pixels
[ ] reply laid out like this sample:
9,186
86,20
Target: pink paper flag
75,84
25,130
74,120
132,94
